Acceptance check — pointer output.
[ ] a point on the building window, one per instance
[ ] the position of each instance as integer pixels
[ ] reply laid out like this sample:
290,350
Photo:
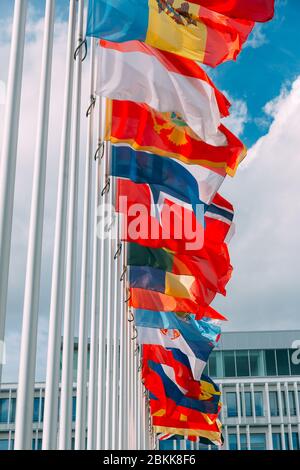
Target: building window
4,443
74,409
248,404
276,438
38,409
258,441
231,401
229,364
283,403
12,411
274,408
259,403
292,403
243,441
270,362
242,364
212,364
232,442
295,439
282,362
256,363
287,441
294,358
4,404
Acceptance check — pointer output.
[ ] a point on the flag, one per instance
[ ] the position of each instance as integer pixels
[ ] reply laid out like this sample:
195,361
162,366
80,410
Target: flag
167,135
184,427
180,27
202,389
170,224
180,286
191,184
214,272
137,72
174,394
253,10
185,336
206,330
150,300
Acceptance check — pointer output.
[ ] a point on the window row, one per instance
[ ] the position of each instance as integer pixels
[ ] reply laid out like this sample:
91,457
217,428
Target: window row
253,403
253,363
8,410
258,441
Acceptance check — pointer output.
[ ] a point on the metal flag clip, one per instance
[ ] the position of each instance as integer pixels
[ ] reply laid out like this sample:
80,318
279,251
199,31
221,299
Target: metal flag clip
106,188
83,42
118,253
127,300
136,335
99,152
91,106
123,274
131,319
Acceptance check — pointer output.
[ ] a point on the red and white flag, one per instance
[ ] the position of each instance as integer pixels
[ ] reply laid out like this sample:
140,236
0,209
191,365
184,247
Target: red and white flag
137,72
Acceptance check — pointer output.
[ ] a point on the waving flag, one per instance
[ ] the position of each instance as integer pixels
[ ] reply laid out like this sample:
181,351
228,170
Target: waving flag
174,227
253,10
176,394
184,427
176,26
166,134
206,330
189,337
151,300
137,72
173,339
214,272
191,184
176,285
203,389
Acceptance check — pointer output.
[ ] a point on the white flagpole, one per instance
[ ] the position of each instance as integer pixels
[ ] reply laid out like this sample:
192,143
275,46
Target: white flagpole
58,274
95,307
9,153
65,425
84,317
116,391
33,269
123,408
103,299
110,314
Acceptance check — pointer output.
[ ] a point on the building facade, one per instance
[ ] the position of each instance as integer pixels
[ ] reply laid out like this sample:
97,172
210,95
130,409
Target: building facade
259,376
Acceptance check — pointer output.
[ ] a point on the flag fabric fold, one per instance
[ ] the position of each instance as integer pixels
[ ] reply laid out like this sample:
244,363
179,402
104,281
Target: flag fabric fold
253,10
134,71
167,135
179,27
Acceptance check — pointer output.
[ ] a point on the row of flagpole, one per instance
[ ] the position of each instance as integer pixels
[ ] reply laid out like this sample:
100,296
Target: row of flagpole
111,406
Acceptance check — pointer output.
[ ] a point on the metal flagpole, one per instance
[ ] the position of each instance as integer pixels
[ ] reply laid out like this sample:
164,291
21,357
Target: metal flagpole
9,153
116,331
103,295
110,309
123,408
58,275
95,307
65,425
81,402
33,270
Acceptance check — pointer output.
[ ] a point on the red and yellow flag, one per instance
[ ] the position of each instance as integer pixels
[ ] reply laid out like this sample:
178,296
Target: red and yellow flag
167,135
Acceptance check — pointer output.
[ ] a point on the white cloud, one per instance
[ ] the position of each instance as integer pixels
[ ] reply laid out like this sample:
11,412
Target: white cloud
238,116
264,291
257,38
